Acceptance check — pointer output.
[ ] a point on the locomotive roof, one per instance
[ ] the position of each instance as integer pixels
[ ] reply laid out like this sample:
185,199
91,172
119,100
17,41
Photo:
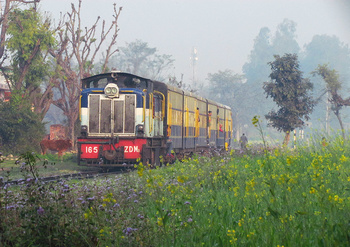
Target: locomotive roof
110,74
160,85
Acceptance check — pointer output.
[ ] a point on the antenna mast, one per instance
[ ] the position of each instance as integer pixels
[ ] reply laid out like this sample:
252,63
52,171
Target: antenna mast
194,59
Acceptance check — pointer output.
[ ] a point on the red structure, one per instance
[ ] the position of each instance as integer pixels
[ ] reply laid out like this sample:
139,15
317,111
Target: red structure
56,140
5,93
58,132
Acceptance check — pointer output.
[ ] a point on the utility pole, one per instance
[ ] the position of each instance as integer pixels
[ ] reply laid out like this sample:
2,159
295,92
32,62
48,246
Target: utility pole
328,108
194,59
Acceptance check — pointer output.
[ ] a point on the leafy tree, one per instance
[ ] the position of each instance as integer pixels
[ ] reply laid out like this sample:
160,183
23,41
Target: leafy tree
223,85
138,58
75,58
29,39
324,49
289,90
333,86
4,19
285,38
257,69
228,88
20,128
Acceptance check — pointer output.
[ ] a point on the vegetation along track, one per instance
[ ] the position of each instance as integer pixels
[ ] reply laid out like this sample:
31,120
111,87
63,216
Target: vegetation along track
56,178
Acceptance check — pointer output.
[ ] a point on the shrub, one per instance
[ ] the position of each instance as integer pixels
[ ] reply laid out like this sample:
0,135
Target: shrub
20,128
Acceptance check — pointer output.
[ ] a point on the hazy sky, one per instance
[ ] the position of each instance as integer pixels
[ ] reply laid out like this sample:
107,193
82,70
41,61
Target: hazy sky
222,31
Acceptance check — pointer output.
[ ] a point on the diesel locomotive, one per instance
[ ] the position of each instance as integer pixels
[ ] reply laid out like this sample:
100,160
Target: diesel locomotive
126,118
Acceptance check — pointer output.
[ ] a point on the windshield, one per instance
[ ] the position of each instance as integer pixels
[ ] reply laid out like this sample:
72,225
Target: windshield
123,81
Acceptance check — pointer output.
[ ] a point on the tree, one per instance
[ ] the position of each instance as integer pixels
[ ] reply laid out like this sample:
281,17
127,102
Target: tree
228,88
30,37
285,38
289,90
325,49
4,19
75,58
20,128
138,58
333,86
223,85
256,69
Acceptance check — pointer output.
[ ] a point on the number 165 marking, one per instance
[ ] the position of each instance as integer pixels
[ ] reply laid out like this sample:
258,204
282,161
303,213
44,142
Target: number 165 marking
91,150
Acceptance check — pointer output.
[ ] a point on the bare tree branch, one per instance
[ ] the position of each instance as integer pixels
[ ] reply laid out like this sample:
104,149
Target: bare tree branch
76,55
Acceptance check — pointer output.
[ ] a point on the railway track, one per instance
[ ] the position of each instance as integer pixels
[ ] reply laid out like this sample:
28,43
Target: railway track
56,178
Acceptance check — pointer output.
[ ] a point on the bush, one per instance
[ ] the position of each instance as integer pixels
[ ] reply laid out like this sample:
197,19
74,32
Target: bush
20,128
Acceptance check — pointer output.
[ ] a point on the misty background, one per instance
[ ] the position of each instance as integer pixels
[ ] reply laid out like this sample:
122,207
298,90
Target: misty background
220,48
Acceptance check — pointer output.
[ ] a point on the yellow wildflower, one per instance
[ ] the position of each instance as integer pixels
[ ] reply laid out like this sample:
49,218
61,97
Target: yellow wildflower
312,190
160,221
180,179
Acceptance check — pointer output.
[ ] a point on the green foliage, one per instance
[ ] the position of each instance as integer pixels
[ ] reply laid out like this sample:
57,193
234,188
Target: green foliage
285,38
228,88
324,49
333,86
29,164
29,38
224,86
290,91
330,76
20,128
256,69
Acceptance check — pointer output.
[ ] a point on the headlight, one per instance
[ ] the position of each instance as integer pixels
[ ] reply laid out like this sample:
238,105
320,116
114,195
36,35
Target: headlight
139,130
83,131
112,90
108,90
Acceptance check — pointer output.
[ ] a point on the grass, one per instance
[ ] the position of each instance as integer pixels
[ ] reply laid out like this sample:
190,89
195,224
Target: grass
55,166
282,198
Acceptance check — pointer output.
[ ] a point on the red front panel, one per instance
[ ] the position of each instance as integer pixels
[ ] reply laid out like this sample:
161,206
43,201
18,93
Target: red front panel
89,151
132,148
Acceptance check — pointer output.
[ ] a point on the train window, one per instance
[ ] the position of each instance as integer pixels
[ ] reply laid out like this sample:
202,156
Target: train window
122,82
132,82
97,83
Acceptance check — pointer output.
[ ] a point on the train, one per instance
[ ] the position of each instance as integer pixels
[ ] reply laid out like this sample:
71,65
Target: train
127,119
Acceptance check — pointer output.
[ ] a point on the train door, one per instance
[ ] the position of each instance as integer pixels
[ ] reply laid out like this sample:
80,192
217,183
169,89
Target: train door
158,114
201,124
220,138
228,127
175,117
212,124
190,112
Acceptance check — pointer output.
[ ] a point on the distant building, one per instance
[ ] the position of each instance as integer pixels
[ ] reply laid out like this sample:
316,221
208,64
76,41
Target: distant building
58,132
4,89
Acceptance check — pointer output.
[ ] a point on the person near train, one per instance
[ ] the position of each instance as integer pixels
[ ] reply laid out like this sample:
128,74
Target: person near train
244,141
